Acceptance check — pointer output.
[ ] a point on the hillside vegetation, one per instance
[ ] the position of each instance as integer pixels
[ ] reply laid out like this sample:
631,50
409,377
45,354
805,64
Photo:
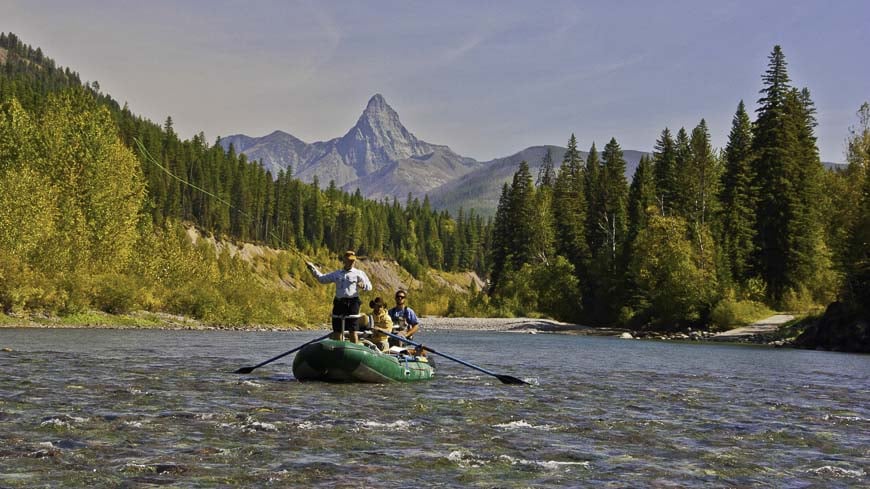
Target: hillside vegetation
89,223
97,208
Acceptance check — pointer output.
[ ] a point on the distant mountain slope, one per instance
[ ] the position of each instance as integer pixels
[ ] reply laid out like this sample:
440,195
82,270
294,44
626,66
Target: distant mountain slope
277,151
416,175
378,152
383,159
481,188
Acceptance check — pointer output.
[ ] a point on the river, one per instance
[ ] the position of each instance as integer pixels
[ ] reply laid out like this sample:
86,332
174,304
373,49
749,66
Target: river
137,408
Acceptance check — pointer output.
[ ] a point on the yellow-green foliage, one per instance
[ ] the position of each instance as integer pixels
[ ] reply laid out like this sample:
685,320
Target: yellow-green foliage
731,312
800,300
21,287
675,272
75,237
28,213
100,181
552,287
96,318
116,293
70,196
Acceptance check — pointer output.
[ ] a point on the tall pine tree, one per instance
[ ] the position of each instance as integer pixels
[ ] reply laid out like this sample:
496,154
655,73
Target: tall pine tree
790,251
526,245
703,176
738,197
664,171
569,208
604,295
641,196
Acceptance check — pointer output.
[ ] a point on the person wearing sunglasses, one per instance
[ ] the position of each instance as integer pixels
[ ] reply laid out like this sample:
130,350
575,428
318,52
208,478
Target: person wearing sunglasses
404,318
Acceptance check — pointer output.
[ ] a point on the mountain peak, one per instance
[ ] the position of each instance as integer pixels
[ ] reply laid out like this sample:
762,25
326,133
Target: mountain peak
377,99
378,108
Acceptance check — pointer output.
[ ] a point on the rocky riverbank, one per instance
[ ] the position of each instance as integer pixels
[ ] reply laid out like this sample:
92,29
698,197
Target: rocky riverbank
761,333
518,325
764,332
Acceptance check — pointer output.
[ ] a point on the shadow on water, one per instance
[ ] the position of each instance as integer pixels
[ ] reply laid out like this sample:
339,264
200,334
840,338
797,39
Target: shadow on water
104,408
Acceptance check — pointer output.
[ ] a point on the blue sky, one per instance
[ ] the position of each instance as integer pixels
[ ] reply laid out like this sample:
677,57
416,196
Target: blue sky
487,78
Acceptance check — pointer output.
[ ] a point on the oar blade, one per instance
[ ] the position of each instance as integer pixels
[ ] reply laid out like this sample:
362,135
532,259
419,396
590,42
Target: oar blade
507,379
244,370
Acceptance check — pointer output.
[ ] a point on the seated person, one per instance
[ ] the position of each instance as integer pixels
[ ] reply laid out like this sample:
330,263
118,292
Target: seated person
380,322
404,318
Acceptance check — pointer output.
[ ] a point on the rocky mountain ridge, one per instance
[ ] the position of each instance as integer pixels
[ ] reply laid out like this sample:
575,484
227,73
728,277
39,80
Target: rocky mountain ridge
378,155
383,159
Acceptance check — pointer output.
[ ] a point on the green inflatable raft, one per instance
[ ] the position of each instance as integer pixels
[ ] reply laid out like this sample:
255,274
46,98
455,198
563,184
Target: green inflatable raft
342,361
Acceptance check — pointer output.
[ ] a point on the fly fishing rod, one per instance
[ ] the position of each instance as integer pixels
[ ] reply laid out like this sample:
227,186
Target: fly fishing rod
250,218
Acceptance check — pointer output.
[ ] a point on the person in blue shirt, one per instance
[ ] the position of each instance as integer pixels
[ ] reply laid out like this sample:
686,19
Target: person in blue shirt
404,318
348,282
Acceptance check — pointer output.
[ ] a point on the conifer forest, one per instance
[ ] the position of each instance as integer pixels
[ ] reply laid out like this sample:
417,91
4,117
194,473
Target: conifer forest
97,206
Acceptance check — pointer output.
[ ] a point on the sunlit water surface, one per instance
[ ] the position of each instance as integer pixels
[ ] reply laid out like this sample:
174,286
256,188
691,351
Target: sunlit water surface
134,408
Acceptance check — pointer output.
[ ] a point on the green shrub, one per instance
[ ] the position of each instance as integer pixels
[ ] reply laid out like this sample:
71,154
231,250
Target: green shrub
116,293
755,289
200,301
77,291
730,312
25,289
248,302
799,300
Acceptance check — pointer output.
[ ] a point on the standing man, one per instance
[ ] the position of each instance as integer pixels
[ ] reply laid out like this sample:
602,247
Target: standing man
404,318
348,281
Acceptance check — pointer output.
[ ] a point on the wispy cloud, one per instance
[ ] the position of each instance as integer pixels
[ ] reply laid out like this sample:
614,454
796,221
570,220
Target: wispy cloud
588,72
332,37
455,53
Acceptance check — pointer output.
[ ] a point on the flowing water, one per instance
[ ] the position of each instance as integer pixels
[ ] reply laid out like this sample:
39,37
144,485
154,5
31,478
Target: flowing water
141,408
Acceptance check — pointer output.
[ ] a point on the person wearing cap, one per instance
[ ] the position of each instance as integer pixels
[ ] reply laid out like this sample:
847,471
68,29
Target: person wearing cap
404,318
381,324
348,282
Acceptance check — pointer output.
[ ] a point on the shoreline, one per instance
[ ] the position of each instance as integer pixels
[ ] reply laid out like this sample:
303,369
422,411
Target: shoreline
524,325
149,320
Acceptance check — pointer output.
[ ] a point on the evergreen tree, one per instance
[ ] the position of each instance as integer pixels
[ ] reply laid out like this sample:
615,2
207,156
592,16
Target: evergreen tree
613,220
770,148
857,261
704,173
500,247
641,196
664,170
314,228
569,208
544,217
642,202
790,250
844,189
594,202
546,175
526,243
809,261
738,197
608,270
682,198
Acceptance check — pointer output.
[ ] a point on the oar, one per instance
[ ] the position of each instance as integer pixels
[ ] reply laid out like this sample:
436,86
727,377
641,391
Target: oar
247,370
507,379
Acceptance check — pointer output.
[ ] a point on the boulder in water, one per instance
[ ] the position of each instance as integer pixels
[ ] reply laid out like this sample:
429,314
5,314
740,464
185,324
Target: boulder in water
841,328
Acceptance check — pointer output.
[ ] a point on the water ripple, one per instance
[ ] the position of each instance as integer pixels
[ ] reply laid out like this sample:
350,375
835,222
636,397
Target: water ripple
121,409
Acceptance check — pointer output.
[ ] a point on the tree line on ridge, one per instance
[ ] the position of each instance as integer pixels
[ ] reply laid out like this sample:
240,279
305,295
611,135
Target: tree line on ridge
697,237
